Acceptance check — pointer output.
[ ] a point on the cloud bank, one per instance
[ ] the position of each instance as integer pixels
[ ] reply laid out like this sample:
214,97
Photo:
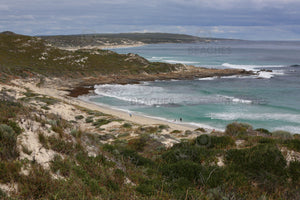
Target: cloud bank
245,19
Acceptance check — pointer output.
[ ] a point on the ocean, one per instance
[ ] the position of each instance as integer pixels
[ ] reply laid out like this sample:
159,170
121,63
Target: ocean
269,100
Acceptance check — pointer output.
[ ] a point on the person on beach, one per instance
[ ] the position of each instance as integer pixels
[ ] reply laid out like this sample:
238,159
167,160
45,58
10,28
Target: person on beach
130,115
180,119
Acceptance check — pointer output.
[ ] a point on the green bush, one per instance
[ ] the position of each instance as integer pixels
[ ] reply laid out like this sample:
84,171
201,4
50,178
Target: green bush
146,188
76,133
89,120
15,126
2,194
264,140
161,127
9,109
294,171
264,157
264,131
43,140
237,129
293,144
200,129
263,164
138,144
182,169
60,145
127,125
217,142
63,167
9,171
189,152
8,142
135,158
100,122
79,117
282,134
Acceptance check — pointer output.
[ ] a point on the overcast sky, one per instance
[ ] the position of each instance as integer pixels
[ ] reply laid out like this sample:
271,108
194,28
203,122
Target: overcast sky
244,19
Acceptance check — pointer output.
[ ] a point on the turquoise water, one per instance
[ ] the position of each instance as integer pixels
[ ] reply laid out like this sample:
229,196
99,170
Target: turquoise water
268,100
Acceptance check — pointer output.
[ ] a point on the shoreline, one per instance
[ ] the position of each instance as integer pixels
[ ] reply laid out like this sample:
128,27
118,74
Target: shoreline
139,118
54,92
103,47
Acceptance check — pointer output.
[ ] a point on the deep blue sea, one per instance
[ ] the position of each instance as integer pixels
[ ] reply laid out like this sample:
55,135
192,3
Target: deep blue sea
268,100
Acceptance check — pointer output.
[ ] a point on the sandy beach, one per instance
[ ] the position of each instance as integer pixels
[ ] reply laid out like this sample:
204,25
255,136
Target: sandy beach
57,93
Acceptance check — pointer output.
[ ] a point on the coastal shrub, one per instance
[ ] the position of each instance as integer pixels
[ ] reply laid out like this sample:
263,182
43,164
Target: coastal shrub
162,127
145,189
237,129
26,150
135,158
89,120
9,171
37,185
221,142
264,131
138,144
263,164
45,107
189,152
217,142
200,129
43,140
265,157
15,126
47,100
60,145
127,125
194,173
182,169
58,129
9,109
148,129
61,166
8,142
108,147
294,171
282,134
176,131
2,194
76,133
293,144
265,140
79,117
100,122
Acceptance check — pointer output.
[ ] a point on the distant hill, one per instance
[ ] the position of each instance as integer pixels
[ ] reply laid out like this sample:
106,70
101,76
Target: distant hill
19,53
122,39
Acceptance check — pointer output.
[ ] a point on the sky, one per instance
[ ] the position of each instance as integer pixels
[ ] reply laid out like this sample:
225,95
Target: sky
239,19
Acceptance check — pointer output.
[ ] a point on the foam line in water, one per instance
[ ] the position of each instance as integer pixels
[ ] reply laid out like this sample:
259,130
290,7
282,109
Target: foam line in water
293,118
250,67
257,69
179,61
192,124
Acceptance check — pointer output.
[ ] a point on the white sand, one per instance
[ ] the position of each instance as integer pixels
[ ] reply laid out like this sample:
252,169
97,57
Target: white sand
138,119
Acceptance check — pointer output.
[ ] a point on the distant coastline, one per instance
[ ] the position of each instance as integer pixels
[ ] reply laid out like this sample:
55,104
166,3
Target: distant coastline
104,47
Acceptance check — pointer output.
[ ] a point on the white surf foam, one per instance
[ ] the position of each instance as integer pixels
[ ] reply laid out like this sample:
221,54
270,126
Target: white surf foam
257,69
180,61
227,99
294,118
208,78
250,67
